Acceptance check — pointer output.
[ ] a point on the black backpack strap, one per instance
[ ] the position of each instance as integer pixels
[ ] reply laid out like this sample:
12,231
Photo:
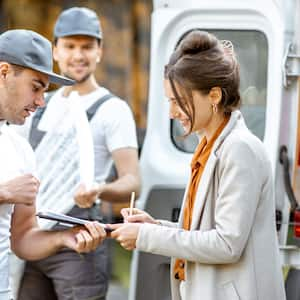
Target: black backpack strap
36,135
94,212
90,114
94,107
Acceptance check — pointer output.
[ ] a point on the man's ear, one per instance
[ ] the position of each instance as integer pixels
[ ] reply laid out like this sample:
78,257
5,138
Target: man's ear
215,95
99,57
4,69
54,53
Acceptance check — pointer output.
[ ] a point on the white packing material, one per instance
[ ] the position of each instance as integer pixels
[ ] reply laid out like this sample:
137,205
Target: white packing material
65,158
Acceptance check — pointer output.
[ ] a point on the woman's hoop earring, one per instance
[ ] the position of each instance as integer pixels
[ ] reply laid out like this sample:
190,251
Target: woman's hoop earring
215,108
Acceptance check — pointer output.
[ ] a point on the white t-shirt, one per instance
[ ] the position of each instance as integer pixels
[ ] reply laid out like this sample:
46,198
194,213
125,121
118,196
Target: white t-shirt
16,158
112,126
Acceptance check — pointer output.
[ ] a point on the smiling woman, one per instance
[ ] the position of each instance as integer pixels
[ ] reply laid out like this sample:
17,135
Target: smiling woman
225,217
209,92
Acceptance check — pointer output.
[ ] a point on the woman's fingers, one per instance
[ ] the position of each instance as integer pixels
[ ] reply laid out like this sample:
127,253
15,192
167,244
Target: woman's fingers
125,212
138,218
115,233
126,234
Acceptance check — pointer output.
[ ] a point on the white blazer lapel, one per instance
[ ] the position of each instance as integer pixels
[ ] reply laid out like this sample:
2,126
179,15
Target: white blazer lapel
203,188
206,178
180,220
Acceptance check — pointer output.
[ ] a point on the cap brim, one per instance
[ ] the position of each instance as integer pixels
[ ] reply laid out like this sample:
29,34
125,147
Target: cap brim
53,77
60,80
79,32
57,79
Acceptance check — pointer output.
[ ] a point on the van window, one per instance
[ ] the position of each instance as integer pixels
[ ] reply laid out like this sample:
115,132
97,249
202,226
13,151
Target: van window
251,48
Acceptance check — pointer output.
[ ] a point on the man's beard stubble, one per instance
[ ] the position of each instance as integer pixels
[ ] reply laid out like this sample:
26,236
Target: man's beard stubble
82,80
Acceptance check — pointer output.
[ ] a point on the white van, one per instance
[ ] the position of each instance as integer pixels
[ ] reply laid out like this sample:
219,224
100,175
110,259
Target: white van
266,37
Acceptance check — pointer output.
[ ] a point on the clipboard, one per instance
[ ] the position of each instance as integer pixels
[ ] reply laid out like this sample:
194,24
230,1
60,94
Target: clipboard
64,219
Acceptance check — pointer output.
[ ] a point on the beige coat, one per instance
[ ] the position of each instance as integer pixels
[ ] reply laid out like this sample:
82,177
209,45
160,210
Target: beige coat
232,249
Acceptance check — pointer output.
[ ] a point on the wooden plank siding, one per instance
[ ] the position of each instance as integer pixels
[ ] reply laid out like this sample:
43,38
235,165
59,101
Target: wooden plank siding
126,27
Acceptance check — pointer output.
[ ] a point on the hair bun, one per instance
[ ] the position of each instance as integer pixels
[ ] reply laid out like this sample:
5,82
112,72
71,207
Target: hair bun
196,41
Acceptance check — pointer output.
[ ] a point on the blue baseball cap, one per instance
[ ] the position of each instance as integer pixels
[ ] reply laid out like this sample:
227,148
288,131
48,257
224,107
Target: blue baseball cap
31,50
78,21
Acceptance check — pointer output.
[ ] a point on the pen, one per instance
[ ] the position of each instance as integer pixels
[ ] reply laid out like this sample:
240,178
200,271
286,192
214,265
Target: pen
131,203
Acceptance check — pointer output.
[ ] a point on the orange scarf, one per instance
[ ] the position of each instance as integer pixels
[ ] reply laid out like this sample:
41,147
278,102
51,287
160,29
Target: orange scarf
198,163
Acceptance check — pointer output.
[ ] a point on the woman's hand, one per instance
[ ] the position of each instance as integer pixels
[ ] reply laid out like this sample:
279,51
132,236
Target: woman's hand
138,216
126,234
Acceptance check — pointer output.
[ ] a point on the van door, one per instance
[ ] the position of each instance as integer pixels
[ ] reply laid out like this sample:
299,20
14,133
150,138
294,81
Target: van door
256,31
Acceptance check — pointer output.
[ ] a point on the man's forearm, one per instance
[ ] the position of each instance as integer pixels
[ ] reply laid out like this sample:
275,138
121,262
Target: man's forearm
4,197
120,190
37,244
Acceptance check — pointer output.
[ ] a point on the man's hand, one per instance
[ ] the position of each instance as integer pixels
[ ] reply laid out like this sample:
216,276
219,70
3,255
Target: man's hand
85,198
20,190
82,239
126,234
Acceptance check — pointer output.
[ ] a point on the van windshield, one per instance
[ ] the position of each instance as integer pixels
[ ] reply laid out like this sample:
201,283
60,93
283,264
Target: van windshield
251,48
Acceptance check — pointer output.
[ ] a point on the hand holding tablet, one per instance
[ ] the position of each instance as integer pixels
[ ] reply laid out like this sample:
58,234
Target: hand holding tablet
64,219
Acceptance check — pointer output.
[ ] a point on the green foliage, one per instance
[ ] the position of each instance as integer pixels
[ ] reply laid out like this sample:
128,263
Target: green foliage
121,264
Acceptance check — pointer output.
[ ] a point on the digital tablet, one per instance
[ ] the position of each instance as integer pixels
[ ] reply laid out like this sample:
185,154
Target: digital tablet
64,219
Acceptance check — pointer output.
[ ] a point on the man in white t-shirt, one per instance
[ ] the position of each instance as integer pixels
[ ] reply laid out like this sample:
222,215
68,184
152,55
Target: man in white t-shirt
77,50
25,73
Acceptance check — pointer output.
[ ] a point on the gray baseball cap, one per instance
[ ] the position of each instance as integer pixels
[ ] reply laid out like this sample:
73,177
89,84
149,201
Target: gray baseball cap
78,21
29,49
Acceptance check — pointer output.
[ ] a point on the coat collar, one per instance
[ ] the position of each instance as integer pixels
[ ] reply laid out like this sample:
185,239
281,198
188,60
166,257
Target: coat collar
236,120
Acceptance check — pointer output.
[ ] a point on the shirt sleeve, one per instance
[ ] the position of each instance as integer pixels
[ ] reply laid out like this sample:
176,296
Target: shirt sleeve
239,192
119,125
26,152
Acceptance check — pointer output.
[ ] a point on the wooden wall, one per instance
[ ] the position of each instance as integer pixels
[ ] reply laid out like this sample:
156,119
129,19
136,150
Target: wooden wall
126,28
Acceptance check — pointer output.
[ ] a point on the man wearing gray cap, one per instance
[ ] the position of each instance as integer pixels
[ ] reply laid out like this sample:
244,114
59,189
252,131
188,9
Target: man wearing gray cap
77,50
25,73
